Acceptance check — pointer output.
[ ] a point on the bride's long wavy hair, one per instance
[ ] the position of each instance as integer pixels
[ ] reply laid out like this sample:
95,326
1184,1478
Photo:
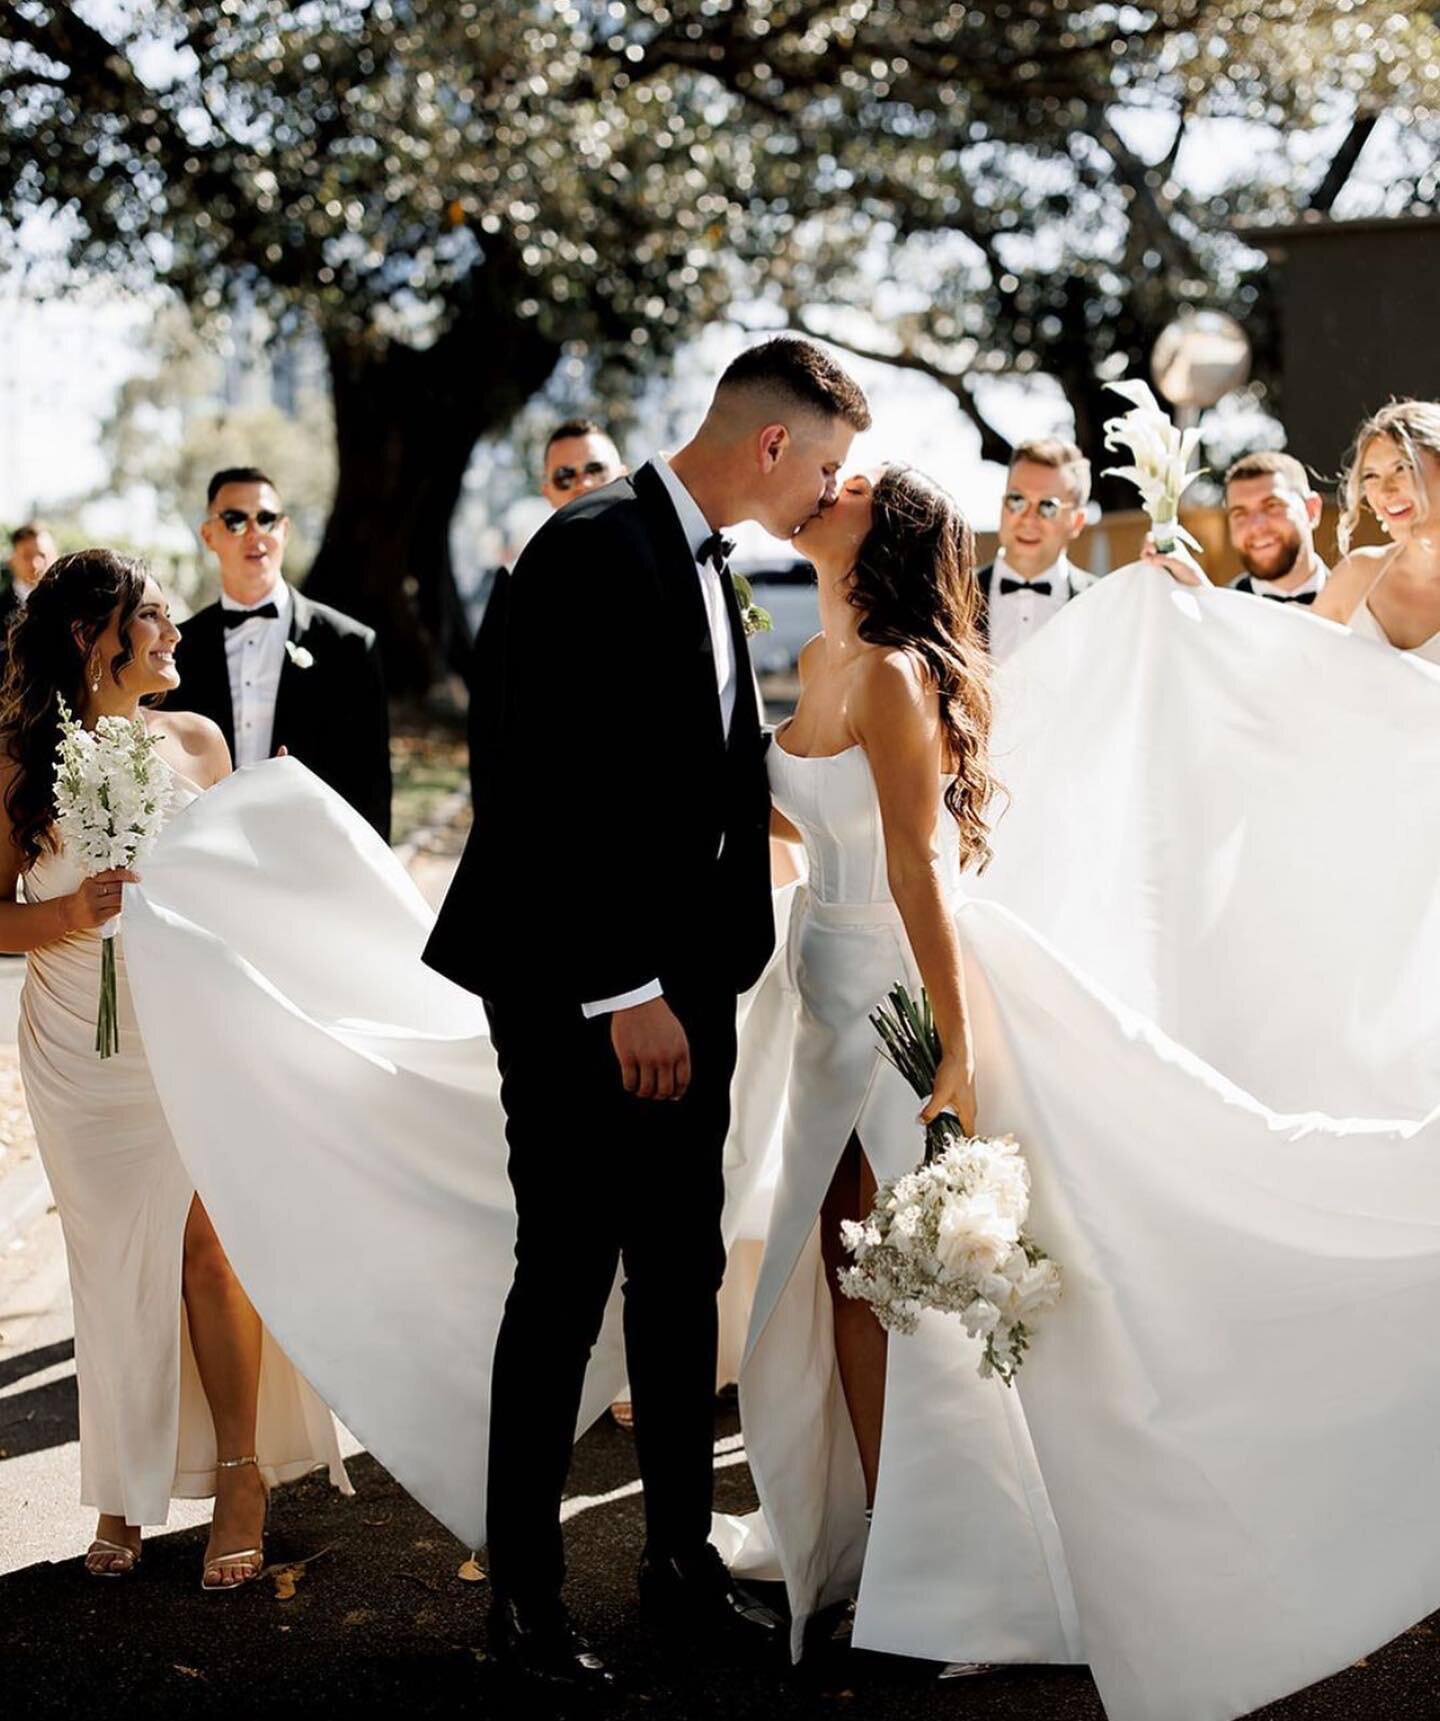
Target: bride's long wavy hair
50,644
915,587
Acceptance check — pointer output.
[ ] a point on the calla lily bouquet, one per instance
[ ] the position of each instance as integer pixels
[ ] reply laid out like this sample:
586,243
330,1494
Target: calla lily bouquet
1160,456
110,801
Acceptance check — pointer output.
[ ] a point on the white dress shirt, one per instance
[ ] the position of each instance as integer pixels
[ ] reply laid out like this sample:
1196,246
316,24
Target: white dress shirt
696,529
254,656
21,591
1019,616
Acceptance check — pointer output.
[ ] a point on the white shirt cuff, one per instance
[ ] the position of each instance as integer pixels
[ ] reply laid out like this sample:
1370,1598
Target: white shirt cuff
624,1000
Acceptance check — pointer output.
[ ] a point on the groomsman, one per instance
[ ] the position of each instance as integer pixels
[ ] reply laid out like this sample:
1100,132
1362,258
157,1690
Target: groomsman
1271,511
579,457
275,669
32,549
1032,578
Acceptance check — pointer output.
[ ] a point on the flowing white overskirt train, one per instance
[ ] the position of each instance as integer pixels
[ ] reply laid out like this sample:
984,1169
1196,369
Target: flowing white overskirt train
1203,981
336,1104
1203,977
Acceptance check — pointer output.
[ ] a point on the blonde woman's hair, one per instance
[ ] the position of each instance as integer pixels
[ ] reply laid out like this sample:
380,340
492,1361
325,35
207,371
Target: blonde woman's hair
1411,425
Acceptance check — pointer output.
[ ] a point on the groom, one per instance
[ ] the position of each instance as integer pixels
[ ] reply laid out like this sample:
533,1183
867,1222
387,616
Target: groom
611,902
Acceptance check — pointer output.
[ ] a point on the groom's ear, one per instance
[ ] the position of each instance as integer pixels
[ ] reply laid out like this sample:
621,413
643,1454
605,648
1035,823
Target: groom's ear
773,441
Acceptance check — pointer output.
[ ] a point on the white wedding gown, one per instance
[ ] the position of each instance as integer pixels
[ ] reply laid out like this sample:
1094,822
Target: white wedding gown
1202,978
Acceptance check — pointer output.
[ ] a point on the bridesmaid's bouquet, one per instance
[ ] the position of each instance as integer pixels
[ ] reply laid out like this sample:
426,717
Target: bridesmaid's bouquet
110,793
1161,457
950,1235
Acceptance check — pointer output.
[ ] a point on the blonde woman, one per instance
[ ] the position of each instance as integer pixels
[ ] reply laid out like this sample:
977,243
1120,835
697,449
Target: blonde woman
1391,592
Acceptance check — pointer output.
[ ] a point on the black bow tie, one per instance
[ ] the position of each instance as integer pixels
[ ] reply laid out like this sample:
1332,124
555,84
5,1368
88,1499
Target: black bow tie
235,618
715,550
1040,587
1289,597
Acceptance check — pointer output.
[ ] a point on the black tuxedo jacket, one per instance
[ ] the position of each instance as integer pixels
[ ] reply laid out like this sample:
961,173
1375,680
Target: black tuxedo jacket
619,836
332,715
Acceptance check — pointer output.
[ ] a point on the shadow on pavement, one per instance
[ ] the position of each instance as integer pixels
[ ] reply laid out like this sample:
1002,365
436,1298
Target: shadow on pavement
378,1618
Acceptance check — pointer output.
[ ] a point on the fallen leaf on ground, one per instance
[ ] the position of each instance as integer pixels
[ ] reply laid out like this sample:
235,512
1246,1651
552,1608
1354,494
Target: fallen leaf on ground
189,1672
470,1572
285,1579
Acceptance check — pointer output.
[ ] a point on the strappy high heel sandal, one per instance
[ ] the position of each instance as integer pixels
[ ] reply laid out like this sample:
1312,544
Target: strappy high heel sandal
245,1556
130,1555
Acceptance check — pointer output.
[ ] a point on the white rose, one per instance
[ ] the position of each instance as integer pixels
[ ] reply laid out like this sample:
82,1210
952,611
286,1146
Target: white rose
975,1235
1037,1291
300,655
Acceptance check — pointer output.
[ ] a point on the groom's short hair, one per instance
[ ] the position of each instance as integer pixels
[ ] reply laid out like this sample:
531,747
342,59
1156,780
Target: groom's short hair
802,374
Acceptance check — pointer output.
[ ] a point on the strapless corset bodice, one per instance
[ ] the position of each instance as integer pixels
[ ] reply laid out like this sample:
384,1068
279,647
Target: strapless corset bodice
832,802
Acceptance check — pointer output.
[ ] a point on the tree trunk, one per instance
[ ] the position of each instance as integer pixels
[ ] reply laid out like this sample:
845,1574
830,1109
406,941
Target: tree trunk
406,423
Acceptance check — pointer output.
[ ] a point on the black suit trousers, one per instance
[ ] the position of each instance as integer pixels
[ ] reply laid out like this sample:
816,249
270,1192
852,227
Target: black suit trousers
604,1179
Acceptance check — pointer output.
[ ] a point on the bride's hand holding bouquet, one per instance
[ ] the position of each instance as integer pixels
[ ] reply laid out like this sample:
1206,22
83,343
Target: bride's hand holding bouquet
954,1091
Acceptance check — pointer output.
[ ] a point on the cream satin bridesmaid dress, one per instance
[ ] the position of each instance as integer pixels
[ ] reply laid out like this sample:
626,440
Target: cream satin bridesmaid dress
123,1195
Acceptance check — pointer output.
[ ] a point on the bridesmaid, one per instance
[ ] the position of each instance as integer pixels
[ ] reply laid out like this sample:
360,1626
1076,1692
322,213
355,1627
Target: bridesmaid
1391,592
182,1392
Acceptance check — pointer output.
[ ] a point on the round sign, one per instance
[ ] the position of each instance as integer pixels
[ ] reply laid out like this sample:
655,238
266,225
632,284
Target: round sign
1200,358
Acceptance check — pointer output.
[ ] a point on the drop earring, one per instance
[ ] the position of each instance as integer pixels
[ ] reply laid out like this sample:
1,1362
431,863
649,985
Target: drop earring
95,678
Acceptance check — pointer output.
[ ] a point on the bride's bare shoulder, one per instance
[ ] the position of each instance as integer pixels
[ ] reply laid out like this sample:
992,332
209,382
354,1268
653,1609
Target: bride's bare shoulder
201,741
891,685
807,660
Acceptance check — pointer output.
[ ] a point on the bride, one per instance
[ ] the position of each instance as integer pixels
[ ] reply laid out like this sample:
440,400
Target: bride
182,1392
1215,1478
883,773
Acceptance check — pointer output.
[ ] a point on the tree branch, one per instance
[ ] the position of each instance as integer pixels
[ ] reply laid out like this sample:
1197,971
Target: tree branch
1342,163
993,446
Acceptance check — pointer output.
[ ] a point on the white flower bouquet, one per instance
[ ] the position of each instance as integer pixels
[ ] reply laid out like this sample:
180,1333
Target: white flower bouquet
1161,457
110,792
950,1235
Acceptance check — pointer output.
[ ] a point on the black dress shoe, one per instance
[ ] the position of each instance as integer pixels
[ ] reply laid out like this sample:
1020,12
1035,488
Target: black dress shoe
542,1645
696,1596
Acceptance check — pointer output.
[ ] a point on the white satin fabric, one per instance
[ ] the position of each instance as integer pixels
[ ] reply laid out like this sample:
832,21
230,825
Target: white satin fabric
123,1193
336,1104
1202,979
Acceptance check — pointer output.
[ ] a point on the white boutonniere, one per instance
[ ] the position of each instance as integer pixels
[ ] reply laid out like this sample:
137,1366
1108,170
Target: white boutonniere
300,655
752,618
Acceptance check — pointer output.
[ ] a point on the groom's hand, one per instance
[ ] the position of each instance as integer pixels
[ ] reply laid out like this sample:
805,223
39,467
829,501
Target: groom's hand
652,1051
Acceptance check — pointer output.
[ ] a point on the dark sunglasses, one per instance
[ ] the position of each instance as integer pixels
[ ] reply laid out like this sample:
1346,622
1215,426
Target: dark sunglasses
235,520
564,476
1048,507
